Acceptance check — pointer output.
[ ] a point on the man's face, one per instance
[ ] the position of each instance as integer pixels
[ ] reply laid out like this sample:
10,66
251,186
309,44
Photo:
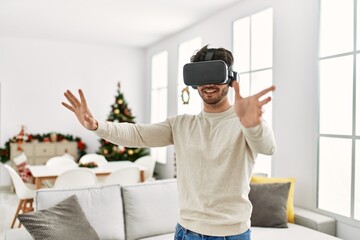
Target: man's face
213,94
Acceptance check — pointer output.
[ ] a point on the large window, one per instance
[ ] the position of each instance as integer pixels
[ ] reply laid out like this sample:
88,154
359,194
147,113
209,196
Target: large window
339,102
159,92
189,100
253,54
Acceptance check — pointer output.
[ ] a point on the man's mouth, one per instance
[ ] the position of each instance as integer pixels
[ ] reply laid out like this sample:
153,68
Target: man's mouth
210,90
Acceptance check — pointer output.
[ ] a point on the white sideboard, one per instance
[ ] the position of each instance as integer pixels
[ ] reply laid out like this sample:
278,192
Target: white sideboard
38,153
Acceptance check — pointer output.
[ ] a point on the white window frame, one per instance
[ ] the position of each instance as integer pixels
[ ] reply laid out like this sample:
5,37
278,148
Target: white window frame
159,98
263,162
349,137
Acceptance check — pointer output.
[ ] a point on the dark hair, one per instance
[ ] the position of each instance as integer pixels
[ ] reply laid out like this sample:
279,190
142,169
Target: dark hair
219,54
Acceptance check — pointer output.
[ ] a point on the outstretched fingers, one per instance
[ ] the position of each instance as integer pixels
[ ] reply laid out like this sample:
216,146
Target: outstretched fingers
265,91
265,101
82,98
68,106
72,99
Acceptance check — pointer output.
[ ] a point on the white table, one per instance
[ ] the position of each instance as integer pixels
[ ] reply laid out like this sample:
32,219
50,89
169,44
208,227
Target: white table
43,172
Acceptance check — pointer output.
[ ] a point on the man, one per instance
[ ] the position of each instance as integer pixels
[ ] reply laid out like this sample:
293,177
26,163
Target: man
215,152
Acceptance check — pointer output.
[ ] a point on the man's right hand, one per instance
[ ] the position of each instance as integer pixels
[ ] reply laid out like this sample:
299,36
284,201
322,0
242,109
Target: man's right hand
249,109
81,110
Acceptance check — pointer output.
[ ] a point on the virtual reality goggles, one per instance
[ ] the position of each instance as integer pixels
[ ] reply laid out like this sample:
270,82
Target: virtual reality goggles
208,72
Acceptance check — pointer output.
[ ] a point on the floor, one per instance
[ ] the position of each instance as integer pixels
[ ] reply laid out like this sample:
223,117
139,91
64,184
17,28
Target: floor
8,205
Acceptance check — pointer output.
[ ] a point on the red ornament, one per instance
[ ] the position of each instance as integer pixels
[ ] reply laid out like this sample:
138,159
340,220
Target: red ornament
81,145
30,137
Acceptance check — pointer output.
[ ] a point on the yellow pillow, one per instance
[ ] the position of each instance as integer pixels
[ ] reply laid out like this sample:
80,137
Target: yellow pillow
290,202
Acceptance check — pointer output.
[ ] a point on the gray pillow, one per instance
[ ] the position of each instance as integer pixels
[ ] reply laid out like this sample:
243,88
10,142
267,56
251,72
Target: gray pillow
66,220
269,202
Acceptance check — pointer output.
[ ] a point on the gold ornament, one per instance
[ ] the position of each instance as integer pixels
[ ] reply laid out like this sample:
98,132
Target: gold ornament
105,151
130,152
185,95
120,101
116,111
121,149
115,148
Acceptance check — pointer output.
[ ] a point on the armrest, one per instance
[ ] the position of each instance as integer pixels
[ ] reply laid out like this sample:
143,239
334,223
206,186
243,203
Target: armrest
315,221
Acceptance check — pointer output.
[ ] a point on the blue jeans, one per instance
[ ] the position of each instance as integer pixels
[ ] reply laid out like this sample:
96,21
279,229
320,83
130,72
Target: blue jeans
182,233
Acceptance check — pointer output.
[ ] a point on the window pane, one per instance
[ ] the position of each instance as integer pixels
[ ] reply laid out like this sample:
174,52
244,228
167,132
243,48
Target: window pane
159,79
244,81
245,84
261,40
154,72
358,95
336,77
159,70
259,81
263,165
186,50
159,154
335,175
159,105
336,27
241,44
357,180
358,26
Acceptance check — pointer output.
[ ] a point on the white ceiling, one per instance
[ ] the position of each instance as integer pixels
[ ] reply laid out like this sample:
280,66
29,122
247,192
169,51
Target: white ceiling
135,23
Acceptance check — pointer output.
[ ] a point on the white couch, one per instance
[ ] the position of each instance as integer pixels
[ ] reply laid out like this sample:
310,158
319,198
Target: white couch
150,211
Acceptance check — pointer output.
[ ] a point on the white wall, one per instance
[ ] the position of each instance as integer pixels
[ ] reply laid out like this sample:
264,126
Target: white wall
35,73
296,77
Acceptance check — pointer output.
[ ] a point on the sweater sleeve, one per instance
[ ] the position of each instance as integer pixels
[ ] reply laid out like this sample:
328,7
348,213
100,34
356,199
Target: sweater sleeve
260,139
136,135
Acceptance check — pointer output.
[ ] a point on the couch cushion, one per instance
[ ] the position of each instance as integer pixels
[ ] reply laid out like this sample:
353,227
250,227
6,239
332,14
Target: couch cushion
168,236
65,220
293,232
315,221
102,206
150,208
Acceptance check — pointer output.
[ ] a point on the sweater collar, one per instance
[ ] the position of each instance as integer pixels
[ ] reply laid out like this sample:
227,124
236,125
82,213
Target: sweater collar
226,113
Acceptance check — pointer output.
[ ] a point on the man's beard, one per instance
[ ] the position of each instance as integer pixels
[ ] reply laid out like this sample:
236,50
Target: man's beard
223,94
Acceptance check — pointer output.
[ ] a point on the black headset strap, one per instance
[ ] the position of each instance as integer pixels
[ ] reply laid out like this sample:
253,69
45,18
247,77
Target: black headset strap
209,54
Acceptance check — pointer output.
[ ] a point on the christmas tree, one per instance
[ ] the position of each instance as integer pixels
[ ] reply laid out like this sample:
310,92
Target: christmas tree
120,112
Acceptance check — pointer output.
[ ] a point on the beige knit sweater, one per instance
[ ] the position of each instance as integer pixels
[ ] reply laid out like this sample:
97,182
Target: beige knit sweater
215,157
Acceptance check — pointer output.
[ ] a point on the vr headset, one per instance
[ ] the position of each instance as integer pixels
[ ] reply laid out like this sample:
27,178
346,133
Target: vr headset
208,72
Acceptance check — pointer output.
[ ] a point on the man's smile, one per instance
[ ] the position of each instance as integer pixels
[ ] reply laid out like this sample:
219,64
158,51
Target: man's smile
209,90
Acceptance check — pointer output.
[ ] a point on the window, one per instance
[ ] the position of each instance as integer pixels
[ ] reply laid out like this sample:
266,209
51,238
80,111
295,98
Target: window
253,54
339,117
159,92
188,102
